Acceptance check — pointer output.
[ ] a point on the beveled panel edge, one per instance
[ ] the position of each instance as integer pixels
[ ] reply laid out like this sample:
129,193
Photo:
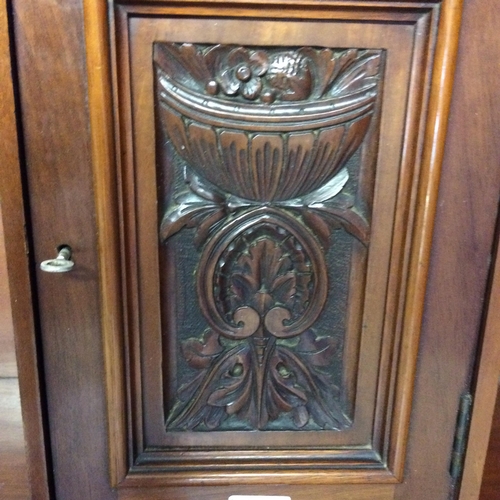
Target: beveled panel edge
105,186
123,20
372,11
434,142
409,52
207,477
118,360
145,6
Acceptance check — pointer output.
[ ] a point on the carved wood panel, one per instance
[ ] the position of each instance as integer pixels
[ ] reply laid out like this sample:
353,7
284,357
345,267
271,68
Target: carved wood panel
263,137
268,191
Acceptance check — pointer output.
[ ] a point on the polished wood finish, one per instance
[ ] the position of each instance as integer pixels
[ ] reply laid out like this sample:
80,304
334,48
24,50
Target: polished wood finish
485,125
490,484
8,365
105,187
126,246
52,86
19,280
140,226
451,332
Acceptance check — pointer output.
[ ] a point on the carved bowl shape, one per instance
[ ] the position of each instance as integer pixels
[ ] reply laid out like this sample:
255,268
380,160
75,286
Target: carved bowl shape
265,124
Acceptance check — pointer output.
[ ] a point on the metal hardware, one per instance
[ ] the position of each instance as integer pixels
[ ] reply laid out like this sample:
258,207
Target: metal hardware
461,435
61,264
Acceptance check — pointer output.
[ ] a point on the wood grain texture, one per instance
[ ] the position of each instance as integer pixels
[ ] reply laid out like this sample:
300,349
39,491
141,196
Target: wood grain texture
347,492
8,365
140,221
103,156
490,485
457,284
18,276
14,483
73,348
131,188
52,75
433,151
475,90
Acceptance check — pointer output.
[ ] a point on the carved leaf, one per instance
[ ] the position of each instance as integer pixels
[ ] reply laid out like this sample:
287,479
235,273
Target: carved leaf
184,61
321,229
362,75
219,382
265,277
182,214
203,189
325,68
209,224
234,387
326,192
350,220
200,353
185,212
300,416
321,404
228,384
203,206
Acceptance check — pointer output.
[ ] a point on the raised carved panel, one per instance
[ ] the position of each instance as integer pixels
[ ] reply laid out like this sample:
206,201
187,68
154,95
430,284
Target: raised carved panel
268,172
263,137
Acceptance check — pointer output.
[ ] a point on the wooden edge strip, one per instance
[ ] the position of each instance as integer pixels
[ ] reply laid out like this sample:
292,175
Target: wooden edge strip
104,172
433,152
485,395
18,275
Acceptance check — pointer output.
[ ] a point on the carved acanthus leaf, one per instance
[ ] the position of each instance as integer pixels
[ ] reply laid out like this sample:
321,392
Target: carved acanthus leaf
202,207
340,213
289,380
360,76
200,353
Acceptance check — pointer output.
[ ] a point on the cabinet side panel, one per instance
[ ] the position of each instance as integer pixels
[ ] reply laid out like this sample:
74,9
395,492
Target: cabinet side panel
51,60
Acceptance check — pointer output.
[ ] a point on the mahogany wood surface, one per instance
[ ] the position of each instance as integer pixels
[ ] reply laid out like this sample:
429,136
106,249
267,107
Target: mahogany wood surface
142,219
19,282
471,152
8,366
51,63
490,484
469,98
67,164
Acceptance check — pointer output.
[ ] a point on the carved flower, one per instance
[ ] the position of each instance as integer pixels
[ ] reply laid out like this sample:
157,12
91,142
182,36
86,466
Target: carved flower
241,72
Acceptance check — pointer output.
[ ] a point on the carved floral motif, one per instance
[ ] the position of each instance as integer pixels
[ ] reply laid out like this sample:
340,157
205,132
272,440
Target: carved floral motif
265,135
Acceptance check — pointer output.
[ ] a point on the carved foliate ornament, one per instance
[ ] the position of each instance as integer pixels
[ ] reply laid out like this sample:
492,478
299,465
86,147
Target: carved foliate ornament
264,136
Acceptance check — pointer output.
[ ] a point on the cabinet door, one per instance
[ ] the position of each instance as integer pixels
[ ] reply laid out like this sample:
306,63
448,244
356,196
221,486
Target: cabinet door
249,193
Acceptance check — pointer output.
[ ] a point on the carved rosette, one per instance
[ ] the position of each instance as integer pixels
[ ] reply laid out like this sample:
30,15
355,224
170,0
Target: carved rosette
264,136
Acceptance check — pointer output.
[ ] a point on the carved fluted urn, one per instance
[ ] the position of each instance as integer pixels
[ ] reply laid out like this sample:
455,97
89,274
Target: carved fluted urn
266,125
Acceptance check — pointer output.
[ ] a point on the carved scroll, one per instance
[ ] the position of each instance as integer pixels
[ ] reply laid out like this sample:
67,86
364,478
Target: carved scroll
264,136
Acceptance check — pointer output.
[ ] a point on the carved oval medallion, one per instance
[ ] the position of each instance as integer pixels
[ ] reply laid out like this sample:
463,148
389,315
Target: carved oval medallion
264,274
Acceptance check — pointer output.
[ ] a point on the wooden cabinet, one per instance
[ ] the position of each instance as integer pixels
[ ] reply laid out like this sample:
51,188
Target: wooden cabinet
263,300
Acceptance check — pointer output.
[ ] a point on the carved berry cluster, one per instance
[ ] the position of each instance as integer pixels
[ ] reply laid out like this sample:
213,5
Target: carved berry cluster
253,74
